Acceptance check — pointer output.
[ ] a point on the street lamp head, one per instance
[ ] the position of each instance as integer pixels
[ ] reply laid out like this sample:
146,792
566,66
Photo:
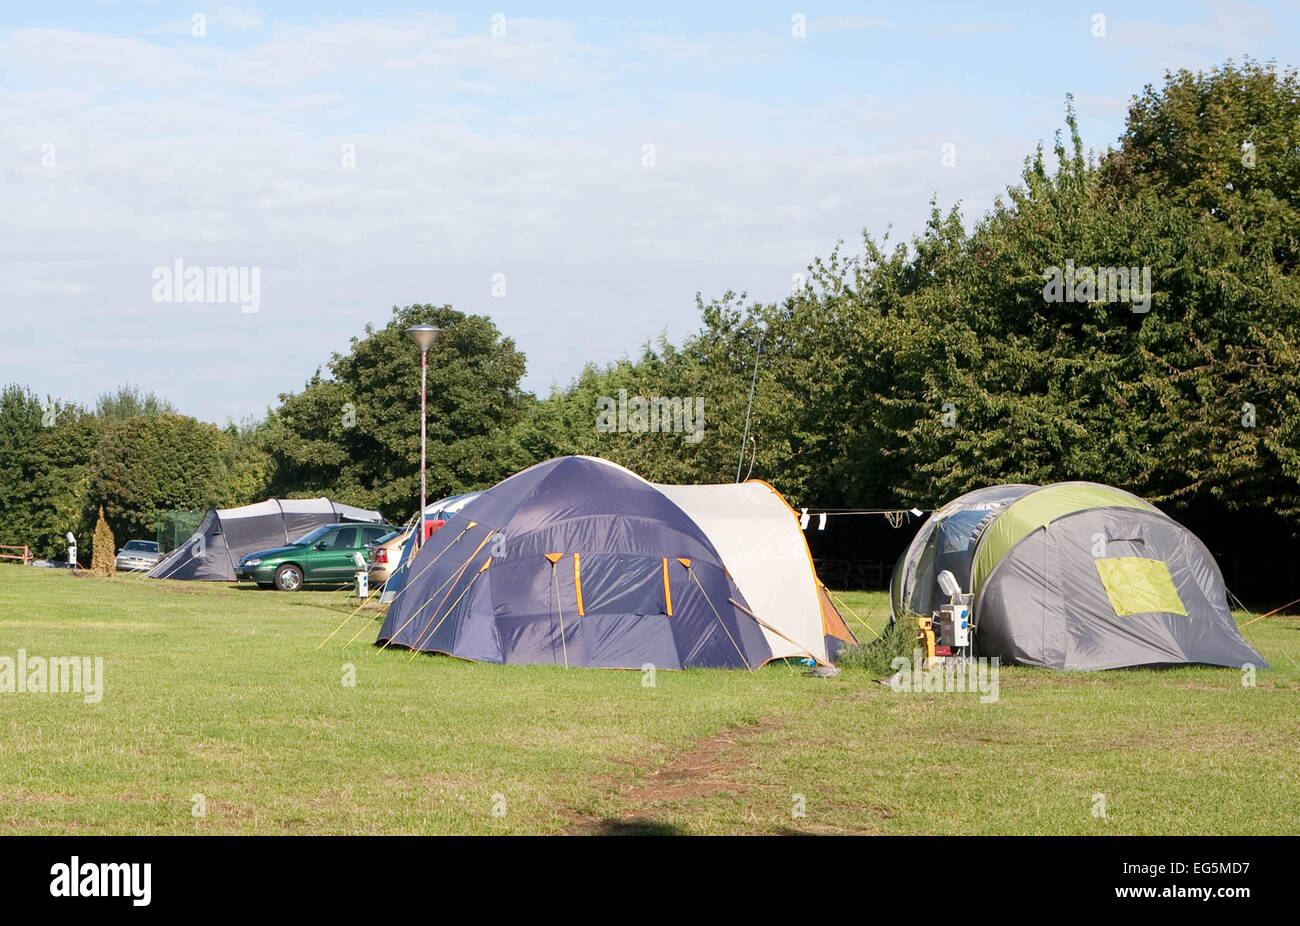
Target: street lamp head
424,335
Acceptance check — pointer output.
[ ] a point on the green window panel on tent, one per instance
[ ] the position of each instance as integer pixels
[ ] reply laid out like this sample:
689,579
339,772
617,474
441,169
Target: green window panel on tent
1039,509
1139,586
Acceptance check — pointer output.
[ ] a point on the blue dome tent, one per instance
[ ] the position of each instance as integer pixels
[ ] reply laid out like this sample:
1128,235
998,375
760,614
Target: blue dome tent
576,562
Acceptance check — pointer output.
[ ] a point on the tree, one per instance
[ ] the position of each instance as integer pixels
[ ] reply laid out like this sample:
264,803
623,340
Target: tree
1220,150
104,556
799,409
143,467
44,449
355,434
247,463
130,402
911,373
1224,144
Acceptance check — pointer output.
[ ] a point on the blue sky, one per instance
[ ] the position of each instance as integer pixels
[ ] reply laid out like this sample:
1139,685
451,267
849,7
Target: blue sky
127,143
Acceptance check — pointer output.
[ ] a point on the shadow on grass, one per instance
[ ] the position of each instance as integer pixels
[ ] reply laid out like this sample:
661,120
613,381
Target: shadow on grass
306,590
634,827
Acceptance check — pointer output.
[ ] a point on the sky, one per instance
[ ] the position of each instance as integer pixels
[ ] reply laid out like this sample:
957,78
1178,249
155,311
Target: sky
576,172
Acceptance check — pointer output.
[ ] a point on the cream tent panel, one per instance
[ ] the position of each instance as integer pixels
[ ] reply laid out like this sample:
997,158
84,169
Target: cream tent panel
762,546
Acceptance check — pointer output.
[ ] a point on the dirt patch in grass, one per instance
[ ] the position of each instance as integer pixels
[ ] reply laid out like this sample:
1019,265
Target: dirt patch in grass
706,768
821,829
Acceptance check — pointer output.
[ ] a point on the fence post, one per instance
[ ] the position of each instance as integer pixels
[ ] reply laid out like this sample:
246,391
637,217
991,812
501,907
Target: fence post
27,556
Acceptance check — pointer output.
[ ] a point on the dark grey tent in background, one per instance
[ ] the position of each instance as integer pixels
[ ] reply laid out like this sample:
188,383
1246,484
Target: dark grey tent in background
227,534
1073,576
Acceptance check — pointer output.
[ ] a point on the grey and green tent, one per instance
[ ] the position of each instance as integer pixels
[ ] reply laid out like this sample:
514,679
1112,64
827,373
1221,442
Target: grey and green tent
1073,576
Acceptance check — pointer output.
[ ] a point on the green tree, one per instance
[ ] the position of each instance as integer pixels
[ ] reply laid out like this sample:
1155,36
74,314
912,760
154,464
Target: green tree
145,466
355,434
1221,151
130,402
44,450
248,465
911,373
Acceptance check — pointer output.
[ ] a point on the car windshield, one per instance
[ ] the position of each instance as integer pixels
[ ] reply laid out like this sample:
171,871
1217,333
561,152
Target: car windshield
307,540
143,546
387,537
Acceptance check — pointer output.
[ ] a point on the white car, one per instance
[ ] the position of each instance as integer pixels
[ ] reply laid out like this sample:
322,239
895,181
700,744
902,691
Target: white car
138,556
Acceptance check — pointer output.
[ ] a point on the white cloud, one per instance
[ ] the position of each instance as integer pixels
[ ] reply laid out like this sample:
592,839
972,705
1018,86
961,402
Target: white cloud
1224,28
948,29
91,62
225,18
239,19
475,156
850,24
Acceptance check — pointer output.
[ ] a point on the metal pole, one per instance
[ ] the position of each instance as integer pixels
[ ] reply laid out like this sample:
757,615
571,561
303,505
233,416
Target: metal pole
424,423
752,383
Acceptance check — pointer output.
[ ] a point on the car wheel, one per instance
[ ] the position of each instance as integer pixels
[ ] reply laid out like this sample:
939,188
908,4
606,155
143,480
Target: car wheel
288,578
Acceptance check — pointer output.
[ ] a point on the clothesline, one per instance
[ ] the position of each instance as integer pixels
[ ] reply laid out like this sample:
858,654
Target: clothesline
895,516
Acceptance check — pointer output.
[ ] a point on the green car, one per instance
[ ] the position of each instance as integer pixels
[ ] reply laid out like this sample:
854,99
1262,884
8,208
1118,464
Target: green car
326,556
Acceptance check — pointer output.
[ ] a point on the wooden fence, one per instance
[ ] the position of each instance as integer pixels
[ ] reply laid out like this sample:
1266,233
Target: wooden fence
23,553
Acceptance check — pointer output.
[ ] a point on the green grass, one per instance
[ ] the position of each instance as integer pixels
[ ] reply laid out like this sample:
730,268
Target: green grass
220,691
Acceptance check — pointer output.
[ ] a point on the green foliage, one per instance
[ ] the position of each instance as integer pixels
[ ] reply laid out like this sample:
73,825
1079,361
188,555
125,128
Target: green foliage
797,412
44,449
59,463
355,434
129,402
1221,152
911,373
875,656
247,463
904,374
1223,143
145,466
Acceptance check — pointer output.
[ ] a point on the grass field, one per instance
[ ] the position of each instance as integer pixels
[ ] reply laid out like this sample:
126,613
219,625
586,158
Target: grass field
221,692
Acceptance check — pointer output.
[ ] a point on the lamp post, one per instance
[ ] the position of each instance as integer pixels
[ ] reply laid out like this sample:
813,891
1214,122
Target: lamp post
423,336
